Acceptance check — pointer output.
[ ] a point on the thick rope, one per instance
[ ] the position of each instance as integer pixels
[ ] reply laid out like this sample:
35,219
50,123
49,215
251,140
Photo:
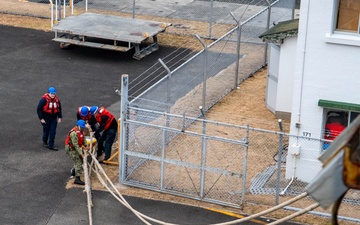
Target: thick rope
87,187
311,207
303,195
97,168
87,175
120,199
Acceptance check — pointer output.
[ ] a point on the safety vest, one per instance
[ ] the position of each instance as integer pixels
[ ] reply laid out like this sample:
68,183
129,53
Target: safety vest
80,137
52,105
104,112
87,117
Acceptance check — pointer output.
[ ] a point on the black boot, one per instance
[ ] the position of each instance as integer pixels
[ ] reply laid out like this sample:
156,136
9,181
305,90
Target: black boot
78,181
72,172
99,153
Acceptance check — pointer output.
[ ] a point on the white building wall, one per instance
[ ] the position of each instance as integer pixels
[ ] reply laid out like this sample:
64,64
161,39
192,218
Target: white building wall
286,75
323,70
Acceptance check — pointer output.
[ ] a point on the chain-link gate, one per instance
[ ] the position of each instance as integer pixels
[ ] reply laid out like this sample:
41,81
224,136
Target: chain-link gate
153,155
207,167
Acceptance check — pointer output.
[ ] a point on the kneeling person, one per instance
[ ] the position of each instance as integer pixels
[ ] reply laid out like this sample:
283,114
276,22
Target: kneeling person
73,147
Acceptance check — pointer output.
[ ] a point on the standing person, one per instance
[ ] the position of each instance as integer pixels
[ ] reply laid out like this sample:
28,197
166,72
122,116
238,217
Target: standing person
84,113
108,126
49,113
74,143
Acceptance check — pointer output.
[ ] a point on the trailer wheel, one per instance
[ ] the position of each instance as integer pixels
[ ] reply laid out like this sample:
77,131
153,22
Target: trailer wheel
64,45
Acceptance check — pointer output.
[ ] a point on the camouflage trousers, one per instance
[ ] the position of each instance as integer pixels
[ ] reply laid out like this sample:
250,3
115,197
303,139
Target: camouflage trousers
76,158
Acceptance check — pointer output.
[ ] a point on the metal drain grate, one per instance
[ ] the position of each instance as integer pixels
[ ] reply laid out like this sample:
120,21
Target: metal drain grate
257,185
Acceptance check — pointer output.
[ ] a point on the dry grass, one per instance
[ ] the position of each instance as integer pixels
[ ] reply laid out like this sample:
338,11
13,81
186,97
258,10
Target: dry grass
25,22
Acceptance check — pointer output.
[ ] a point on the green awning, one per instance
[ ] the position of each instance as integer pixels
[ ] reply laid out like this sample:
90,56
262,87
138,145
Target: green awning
339,105
281,30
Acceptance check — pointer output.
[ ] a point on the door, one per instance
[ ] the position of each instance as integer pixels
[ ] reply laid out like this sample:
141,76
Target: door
272,77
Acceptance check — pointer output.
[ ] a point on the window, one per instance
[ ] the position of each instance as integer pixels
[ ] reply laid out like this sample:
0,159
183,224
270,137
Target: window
347,18
335,122
345,28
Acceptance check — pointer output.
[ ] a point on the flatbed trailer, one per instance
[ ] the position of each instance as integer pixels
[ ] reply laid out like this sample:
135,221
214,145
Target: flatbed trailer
109,32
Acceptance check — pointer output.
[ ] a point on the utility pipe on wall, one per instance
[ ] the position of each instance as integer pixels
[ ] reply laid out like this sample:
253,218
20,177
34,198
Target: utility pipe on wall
303,64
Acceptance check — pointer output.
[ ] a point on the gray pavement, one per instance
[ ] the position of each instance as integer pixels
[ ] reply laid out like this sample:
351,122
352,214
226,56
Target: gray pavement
33,178
108,210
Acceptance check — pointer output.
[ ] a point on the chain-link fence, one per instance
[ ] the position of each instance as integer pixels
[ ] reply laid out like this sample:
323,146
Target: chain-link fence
217,162
269,182
213,13
183,90
209,74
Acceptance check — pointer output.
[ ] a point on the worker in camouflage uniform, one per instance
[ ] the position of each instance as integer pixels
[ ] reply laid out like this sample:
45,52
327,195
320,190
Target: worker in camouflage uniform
74,144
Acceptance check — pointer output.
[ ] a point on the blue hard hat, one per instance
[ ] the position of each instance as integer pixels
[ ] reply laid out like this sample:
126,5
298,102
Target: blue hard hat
84,111
81,123
93,109
52,90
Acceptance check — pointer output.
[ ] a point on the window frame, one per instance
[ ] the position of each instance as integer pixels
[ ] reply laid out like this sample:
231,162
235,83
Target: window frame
336,19
341,37
329,105
351,115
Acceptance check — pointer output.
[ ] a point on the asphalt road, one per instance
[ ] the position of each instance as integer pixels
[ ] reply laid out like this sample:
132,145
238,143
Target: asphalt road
33,178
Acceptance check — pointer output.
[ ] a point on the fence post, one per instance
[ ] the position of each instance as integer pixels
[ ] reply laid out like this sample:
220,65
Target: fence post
203,155
164,141
211,17
293,10
123,113
168,95
52,15
133,10
237,50
168,84
162,171
280,148
57,10
205,71
245,163
267,27
64,9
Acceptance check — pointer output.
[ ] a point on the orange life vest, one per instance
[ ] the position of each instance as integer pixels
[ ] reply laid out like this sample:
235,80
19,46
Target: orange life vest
104,112
80,137
52,105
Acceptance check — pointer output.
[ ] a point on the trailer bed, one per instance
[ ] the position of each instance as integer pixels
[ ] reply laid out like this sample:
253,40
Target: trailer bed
109,32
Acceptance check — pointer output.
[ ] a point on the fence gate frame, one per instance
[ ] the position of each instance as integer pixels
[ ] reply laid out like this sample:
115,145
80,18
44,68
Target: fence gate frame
201,167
